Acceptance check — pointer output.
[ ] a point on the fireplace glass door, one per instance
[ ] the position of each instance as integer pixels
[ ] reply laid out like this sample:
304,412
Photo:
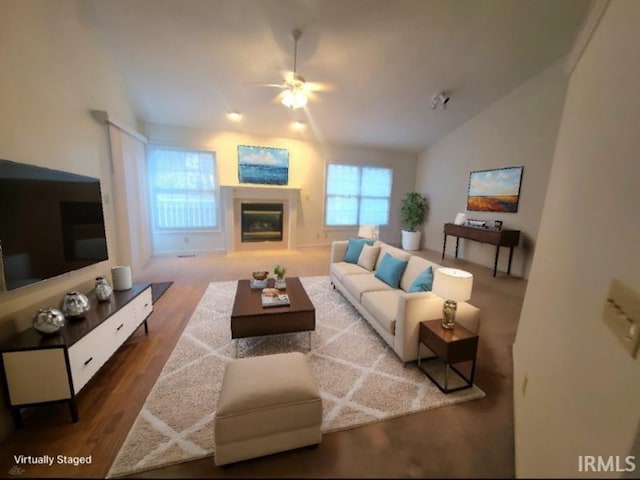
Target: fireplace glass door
261,222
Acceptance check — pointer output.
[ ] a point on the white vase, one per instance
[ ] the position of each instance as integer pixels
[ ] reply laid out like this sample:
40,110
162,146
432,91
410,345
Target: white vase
411,240
121,276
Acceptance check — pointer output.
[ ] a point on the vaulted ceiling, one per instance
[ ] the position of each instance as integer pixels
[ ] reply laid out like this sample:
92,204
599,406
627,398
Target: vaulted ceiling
189,62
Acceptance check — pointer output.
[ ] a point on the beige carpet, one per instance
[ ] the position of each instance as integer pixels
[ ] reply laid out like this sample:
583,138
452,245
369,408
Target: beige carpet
360,378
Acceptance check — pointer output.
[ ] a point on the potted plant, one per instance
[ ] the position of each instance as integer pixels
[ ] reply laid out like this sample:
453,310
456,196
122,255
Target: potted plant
414,211
279,272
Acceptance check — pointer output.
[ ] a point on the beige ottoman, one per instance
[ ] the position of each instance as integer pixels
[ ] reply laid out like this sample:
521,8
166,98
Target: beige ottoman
267,404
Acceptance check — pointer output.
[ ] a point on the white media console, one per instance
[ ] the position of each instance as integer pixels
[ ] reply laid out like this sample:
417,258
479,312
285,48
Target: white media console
39,370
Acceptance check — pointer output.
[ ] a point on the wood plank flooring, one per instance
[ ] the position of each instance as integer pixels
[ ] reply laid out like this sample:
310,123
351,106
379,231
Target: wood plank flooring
473,439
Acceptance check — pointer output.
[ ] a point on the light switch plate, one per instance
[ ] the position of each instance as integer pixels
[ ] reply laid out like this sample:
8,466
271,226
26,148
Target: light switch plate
622,314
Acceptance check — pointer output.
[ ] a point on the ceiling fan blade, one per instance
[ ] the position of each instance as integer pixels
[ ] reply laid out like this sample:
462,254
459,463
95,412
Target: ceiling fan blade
319,87
312,96
272,85
278,98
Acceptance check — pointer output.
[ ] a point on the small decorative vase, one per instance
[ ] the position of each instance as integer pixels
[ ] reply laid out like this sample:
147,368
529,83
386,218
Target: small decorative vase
48,321
75,305
280,284
121,276
103,289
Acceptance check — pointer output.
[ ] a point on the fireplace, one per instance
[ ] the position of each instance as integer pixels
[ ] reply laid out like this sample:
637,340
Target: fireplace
260,200
261,222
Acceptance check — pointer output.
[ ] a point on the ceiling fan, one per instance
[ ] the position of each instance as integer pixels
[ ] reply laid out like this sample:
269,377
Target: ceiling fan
296,91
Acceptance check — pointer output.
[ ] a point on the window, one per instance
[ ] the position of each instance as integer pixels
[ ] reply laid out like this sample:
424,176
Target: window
183,189
357,195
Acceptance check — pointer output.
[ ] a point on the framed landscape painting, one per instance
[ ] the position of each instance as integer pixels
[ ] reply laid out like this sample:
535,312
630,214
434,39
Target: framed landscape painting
495,190
263,165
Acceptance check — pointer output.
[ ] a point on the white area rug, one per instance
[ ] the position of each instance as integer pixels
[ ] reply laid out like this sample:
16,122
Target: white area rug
361,379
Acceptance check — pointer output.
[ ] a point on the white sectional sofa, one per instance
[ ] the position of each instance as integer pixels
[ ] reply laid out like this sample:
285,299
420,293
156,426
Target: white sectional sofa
393,312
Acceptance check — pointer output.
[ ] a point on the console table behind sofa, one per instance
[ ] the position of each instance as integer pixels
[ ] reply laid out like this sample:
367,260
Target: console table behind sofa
499,238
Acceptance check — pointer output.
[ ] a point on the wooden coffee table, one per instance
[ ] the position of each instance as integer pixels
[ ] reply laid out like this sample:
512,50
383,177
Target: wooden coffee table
250,319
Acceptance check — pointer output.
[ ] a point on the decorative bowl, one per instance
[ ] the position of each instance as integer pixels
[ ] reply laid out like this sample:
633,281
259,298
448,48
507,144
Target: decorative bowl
260,275
48,321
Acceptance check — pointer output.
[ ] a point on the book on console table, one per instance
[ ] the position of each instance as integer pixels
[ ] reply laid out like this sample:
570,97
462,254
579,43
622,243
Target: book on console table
281,300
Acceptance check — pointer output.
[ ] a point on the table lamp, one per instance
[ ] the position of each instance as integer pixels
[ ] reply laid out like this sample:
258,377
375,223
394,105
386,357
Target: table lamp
368,231
454,286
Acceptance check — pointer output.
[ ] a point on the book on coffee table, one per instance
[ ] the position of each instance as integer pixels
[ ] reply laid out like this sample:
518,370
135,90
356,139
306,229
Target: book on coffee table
275,301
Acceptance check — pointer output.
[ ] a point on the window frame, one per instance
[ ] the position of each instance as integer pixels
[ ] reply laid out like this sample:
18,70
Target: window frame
360,166
216,191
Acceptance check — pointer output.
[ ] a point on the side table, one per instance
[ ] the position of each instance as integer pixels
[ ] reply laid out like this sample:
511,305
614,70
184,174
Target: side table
452,346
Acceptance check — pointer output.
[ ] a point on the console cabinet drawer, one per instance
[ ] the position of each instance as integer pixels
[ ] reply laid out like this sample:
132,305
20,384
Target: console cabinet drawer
91,352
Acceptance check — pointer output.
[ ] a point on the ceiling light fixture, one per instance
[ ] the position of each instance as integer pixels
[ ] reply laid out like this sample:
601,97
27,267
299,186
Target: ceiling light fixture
234,116
298,125
440,99
295,95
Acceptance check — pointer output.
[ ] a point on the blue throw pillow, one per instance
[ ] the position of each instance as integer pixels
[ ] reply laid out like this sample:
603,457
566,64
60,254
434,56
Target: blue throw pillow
423,282
390,270
354,248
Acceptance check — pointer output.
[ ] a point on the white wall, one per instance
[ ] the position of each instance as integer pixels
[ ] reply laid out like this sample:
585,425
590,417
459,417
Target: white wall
583,389
306,171
518,129
53,72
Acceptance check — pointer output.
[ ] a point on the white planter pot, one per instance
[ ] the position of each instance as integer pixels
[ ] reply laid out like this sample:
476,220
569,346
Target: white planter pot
411,240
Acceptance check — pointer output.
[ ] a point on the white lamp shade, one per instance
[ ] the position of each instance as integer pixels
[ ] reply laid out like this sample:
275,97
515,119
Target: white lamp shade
453,284
368,231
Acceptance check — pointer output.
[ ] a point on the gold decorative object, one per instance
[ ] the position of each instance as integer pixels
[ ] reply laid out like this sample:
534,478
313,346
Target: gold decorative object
449,314
453,286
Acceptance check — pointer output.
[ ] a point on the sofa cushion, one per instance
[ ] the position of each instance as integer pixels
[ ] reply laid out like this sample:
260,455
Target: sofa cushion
423,282
368,256
393,251
390,270
356,285
415,267
383,306
354,248
340,269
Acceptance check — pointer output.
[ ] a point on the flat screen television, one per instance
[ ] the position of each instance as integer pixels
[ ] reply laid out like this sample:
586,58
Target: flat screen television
51,222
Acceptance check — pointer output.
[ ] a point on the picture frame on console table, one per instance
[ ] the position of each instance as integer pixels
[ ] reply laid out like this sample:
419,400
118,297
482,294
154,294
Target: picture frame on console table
496,190
263,165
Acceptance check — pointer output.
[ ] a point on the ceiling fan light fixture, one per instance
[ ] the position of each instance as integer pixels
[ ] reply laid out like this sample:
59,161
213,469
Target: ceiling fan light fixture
295,95
294,98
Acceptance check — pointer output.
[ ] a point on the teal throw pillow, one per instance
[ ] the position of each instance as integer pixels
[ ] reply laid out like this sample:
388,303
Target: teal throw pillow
390,270
423,282
354,248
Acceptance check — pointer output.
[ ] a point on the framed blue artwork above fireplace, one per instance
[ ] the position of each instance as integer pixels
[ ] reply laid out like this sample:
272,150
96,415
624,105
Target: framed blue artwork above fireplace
263,165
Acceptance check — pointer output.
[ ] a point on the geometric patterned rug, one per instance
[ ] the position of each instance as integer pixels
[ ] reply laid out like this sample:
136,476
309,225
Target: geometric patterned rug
361,380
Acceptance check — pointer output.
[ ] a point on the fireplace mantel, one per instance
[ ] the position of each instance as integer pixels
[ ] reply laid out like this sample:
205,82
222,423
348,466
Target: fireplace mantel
232,198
